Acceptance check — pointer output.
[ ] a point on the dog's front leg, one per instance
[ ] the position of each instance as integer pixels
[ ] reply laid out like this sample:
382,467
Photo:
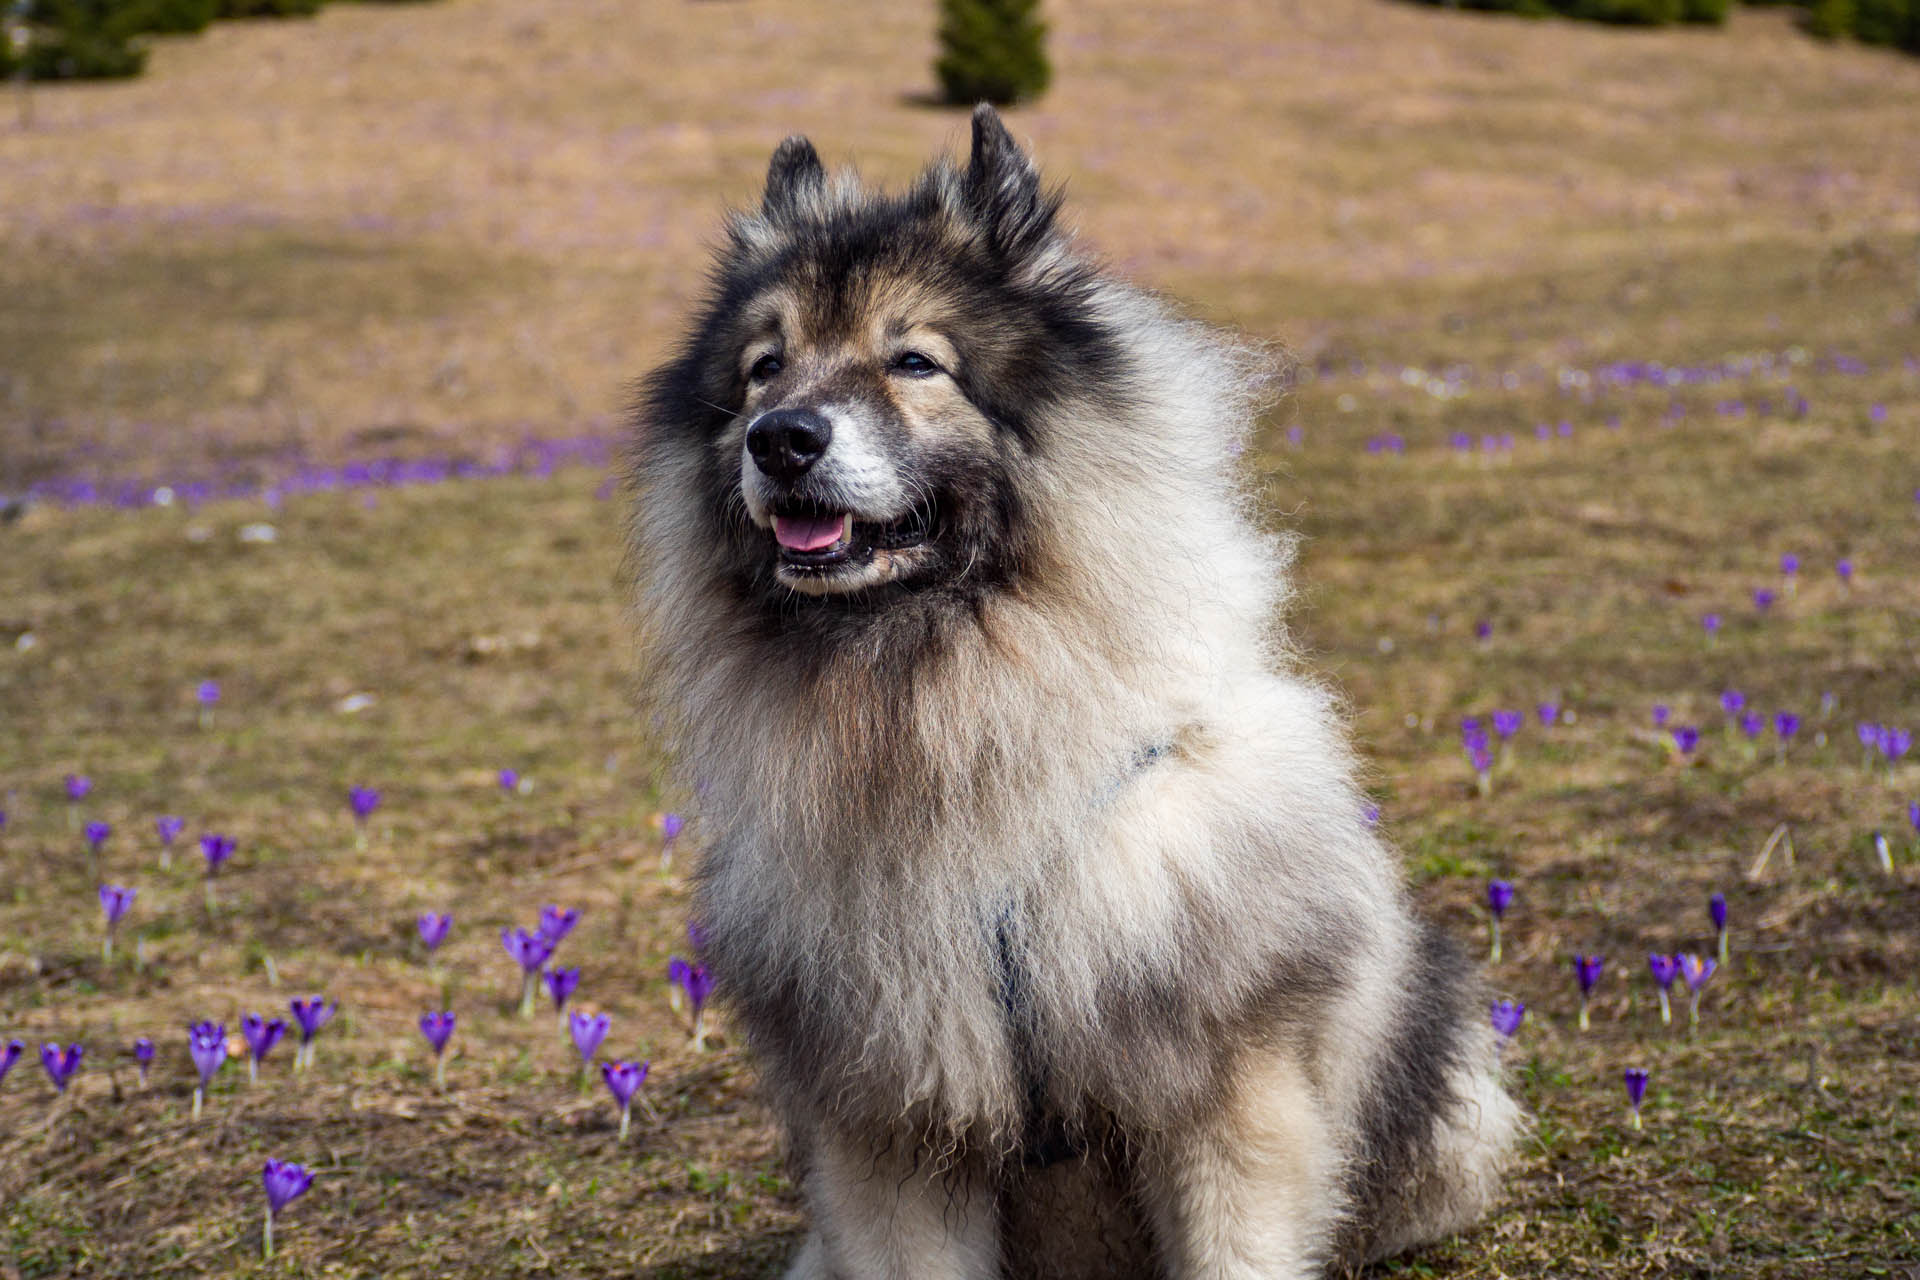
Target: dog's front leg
1252,1192
881,1214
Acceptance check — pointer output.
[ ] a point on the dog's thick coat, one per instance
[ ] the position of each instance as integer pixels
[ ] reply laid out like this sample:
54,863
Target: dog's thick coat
1036,876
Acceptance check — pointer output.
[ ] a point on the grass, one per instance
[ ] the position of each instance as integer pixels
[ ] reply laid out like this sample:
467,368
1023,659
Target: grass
282,241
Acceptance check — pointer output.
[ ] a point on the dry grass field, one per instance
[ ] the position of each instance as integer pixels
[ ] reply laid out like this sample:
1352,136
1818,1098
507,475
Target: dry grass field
447,228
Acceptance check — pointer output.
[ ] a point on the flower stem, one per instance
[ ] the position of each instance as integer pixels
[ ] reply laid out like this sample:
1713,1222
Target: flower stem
1636,1117
1723,946
1496,940
268,1237
1583,1013
106,948
1666,1009
198,1095
528,990
626,1114
440,1071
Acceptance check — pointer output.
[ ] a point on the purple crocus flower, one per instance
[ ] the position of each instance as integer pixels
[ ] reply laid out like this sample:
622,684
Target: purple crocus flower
363,801
509,780
61,1064
1636,1079
1507,723
207,1042
169,828
561,984
1844,568
1686,738
1696,972
78,785
698,984
309,1015
1482,761
623,1081
1507,1017
588,1031
1717,908
260,1036
1371,815
1763,599
1752,723
1732,700
1664,969
1913,816
1586,971
10,1054
433,929
1549,713
1483,630
1869,735
1785,724
438,1029
529,951
1661,715
208,692
115,902
96,833
143,1055
677,970
1710,623
216,849
556,924
285,1182
1894,743
1789,564
1499,898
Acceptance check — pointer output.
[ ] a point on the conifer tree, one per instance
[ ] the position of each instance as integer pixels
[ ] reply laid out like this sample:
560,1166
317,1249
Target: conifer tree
992,50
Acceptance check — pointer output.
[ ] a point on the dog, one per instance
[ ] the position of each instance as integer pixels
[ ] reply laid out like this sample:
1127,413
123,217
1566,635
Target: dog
1037,877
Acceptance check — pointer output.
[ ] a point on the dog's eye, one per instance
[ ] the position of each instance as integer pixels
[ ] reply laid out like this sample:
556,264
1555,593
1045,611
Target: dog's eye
914,365
765,367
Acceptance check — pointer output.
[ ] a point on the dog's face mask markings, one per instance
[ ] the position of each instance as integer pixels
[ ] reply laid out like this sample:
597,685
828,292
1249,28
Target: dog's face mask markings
833,466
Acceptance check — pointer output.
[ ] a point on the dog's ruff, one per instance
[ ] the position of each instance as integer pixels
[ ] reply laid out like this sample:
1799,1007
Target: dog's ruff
1036,874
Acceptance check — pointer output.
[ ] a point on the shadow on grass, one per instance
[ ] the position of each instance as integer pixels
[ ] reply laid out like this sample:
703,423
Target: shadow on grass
763,1256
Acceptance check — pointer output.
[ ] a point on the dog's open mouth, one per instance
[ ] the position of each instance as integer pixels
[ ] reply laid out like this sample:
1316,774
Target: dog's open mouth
815,539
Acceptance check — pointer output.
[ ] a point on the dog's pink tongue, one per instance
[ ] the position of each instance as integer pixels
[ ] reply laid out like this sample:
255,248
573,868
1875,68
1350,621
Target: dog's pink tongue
798,533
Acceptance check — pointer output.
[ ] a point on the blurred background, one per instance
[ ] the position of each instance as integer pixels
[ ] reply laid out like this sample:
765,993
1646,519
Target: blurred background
443,228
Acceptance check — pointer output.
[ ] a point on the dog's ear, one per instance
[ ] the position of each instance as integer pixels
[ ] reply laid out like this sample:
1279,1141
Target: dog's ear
794,177
1003,188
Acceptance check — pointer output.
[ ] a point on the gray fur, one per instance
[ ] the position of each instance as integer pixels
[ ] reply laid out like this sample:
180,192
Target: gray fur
980,952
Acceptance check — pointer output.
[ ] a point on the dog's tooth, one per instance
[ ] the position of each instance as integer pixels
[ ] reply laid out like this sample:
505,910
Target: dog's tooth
846,527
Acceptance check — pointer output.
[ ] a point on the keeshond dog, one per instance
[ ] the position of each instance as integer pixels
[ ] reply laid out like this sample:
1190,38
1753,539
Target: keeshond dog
1037,878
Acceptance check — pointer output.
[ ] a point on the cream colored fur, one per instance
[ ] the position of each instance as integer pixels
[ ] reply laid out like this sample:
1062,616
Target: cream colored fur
867,824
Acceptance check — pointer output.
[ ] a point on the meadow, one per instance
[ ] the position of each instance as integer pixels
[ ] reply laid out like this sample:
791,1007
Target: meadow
313,355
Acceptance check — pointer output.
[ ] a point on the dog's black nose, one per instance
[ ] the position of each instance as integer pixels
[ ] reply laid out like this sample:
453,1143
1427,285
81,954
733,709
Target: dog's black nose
786,442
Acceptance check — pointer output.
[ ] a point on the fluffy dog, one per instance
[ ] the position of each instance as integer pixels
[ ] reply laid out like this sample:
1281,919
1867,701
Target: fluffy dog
1037,877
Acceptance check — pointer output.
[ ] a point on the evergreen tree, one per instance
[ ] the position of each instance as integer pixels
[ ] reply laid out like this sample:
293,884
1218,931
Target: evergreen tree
992,50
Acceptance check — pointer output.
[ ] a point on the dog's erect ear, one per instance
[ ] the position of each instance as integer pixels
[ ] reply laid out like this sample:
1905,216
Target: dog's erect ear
1003,187
794,177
